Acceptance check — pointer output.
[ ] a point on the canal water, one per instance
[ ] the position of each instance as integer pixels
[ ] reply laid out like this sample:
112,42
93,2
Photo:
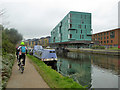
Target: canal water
95,71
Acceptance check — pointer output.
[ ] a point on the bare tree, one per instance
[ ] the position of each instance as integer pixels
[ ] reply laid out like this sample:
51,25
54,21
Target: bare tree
3,17
2,12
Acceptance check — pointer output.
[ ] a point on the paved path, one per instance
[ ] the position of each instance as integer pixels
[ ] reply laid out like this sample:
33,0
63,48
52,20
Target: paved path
29,79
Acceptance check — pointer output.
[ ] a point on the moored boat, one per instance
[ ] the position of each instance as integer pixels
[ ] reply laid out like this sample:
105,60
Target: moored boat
44,54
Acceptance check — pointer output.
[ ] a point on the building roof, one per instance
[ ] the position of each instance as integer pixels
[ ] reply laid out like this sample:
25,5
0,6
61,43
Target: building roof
107,31
42,38
48,37
79,12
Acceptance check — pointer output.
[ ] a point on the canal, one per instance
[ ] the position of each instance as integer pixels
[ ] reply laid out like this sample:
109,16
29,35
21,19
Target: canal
95,71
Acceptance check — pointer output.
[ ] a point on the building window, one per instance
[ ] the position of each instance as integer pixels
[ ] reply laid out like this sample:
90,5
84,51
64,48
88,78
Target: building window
104,33
107,33
32,42
29,42
101,42
36,43
101,38
54,39
82,22
70,25
70,35
85,16
79,26
85,26
104,41
107,41
80,36
70,15
104,37
81,16
60,36
86,31
111,41
70,21
81,31
112,34
107,37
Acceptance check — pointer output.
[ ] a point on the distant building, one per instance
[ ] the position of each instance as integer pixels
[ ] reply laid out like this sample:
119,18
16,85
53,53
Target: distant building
73,31
47,41
43,41
32,42
108,38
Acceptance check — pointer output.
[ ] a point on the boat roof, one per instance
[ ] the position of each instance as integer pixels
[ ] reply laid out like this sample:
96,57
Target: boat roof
49,49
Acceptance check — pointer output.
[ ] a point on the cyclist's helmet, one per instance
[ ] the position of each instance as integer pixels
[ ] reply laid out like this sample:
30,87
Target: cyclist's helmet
22,43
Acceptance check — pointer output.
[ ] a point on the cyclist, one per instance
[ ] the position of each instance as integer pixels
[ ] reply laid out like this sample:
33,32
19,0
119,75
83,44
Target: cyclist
22,53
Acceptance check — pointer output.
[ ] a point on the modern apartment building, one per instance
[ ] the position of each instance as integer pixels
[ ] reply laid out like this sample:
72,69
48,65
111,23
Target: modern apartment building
75,27
108,38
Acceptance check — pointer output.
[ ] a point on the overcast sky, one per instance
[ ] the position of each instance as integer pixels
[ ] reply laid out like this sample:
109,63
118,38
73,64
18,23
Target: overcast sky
36,18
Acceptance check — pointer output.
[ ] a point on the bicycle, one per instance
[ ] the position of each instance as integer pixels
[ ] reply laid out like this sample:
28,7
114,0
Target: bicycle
21,67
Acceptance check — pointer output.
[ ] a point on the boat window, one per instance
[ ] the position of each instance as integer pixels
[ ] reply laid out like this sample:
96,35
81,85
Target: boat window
52,51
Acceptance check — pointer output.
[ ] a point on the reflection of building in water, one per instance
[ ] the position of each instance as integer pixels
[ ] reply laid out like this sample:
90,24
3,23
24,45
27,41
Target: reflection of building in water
107,62
80,71
119,82
78,56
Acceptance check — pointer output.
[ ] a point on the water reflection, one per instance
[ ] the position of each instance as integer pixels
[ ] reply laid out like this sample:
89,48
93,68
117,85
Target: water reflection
90,69
111,63
74,66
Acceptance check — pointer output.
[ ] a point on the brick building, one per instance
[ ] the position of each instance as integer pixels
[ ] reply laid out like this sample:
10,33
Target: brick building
110,38
43,41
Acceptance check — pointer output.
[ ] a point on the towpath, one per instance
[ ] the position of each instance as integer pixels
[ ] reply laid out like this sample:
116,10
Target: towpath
29,79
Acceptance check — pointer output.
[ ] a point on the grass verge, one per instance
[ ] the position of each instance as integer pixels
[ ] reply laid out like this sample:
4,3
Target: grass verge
51,77
114,48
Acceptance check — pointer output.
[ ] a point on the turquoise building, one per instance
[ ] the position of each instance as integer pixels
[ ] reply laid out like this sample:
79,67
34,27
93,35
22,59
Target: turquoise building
73,31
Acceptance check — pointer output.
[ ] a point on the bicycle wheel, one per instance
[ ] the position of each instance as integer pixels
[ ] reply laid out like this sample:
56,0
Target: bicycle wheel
22,68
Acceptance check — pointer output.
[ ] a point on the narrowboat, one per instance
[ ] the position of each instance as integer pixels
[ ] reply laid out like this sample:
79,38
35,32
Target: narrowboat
44,54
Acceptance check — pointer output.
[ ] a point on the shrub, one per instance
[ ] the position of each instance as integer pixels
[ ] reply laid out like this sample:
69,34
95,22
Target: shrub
7,63
10,37
98,47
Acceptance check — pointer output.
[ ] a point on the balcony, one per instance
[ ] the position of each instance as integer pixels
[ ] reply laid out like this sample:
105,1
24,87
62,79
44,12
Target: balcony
89,34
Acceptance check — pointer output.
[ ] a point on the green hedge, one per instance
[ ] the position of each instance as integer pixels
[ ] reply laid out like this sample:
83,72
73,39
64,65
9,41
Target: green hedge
7,63
10,37
53,78
98,47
